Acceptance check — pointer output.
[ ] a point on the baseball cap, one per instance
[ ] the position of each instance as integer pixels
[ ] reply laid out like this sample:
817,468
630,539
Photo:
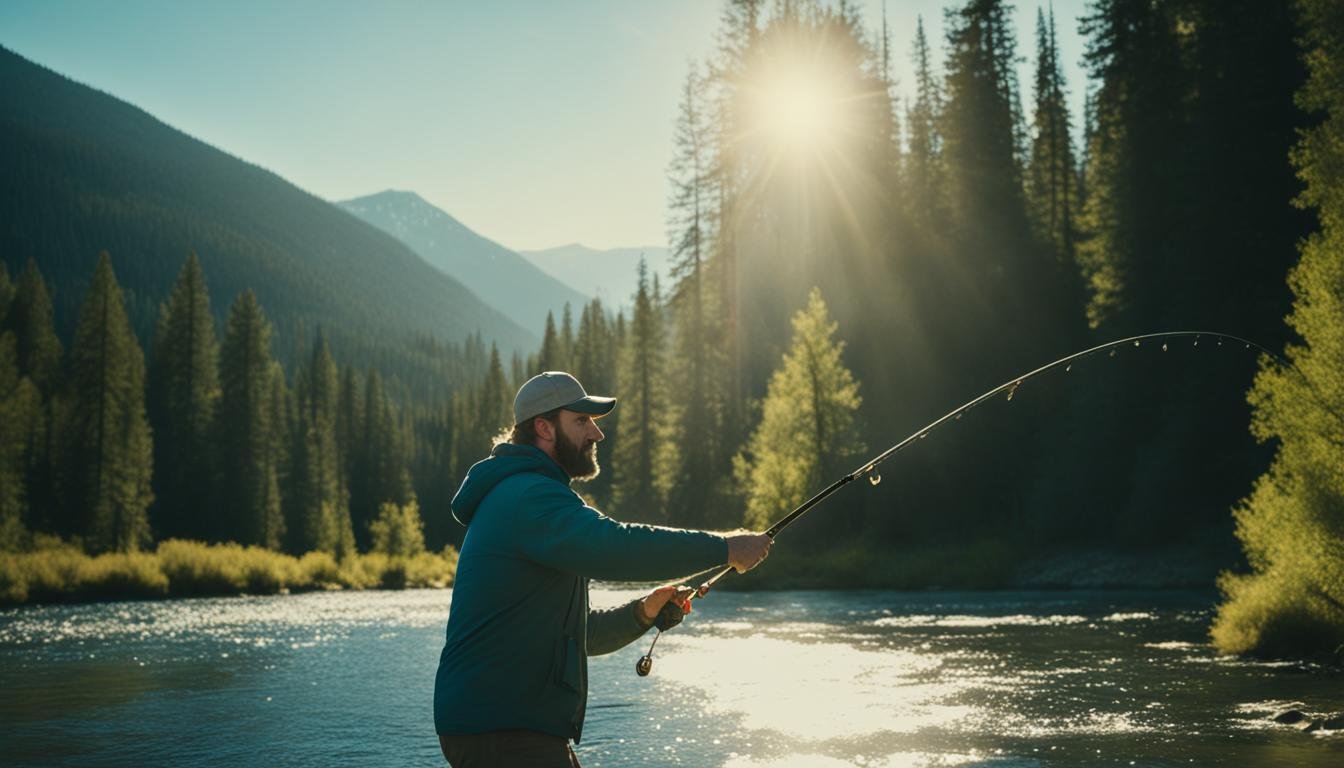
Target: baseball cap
556,389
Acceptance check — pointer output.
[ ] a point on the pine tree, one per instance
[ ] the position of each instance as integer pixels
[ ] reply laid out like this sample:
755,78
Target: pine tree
321,516
354,451
1292,525
980,134
551,356
924,178
807,426
1051,186
6,298
20,417
184,389
248,424
30,318
496,403
1135,201
636,490
694,452
567,337
109,449
386,478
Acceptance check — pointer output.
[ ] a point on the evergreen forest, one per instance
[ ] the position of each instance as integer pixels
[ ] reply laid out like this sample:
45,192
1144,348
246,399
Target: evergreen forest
844,275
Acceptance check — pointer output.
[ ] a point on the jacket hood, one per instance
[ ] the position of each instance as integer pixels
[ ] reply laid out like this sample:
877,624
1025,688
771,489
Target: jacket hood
504,461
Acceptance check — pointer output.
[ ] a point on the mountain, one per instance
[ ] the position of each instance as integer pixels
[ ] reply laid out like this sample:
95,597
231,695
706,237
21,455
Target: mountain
501,277
611,275
86,172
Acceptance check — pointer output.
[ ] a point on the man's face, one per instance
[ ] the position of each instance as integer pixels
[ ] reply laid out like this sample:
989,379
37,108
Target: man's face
576,445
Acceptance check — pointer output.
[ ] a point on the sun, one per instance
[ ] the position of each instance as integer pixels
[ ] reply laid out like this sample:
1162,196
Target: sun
796,109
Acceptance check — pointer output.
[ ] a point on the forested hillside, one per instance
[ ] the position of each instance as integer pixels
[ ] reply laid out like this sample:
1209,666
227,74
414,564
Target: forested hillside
85,172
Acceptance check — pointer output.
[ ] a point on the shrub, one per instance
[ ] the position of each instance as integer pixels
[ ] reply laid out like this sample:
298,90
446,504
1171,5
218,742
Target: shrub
1275,615
318,570
57,570
121,575
398,530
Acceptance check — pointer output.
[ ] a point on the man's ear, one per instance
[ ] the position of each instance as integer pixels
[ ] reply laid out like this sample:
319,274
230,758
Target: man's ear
545,429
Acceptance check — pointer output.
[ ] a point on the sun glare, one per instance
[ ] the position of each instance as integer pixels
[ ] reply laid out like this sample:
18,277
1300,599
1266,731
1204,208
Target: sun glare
797,109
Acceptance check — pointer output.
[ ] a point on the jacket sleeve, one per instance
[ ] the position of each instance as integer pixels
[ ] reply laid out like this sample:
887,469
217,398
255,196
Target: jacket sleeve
614,628
559,531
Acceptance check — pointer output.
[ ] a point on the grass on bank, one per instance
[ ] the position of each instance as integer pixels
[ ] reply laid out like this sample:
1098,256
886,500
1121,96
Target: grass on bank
56,571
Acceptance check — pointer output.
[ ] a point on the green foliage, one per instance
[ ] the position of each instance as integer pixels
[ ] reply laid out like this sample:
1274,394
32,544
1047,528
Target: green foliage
109,457
18,406
696,447
249,415
925,186
320,502
637,491
29,317
60,572
398,530
551,357
1051,181
183,392
1292,525
807,428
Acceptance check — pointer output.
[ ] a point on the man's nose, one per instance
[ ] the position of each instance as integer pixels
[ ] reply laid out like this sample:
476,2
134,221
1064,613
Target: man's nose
595,429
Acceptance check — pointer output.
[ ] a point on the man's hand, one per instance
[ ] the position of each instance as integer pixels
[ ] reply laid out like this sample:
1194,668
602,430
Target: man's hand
651,605
747,550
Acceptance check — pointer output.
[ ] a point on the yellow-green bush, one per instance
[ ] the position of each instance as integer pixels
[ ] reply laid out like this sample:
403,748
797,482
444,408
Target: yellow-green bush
194,568
319,570
59,571
1273,615
116,575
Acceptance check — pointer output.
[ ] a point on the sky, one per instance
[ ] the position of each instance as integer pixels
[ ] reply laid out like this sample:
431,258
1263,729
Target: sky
537,124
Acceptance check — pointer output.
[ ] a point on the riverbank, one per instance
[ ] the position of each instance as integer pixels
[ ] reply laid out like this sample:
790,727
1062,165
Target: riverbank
62,573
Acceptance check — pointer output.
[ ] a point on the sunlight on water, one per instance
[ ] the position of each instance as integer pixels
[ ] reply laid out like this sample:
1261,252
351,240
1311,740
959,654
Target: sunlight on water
977,621
749,680
777,684
897,760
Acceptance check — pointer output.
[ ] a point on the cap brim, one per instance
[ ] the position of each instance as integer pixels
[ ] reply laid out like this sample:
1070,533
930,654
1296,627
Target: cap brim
592,405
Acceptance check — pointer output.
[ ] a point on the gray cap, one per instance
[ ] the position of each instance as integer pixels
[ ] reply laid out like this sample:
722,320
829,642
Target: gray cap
556,389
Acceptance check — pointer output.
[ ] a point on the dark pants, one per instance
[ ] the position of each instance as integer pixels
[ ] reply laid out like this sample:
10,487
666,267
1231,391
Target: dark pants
506,749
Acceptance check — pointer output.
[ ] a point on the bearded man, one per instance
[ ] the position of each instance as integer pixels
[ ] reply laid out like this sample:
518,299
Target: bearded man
512,684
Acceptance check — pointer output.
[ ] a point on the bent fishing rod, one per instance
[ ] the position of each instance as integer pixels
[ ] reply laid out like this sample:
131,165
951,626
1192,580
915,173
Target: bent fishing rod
671,614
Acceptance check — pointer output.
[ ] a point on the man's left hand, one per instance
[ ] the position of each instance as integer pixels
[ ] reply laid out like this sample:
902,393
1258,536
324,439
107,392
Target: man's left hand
654,602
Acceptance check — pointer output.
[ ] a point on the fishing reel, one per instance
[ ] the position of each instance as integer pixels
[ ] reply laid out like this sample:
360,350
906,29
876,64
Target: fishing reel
669,617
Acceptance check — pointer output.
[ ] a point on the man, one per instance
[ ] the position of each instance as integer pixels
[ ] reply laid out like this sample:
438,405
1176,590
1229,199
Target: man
512,683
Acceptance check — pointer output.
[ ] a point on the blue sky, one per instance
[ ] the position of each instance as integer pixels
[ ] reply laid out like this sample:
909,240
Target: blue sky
535,123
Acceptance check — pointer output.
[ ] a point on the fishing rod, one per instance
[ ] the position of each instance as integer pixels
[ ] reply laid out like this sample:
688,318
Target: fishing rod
671,614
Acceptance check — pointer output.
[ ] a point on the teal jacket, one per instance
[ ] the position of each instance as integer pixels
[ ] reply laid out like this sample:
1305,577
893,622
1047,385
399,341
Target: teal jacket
519,628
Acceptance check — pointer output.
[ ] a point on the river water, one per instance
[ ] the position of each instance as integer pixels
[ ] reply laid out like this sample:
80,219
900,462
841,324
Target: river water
750,680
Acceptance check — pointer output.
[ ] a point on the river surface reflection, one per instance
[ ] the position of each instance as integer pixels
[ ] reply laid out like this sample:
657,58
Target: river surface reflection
750,680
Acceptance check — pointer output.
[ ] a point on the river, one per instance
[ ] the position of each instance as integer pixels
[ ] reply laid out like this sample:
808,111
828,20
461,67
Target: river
750,680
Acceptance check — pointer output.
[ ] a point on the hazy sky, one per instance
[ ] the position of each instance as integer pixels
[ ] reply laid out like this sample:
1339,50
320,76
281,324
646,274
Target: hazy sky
535,123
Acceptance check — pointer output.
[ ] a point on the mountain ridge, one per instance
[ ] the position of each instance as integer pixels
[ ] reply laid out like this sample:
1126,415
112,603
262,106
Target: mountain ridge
90,172
500,276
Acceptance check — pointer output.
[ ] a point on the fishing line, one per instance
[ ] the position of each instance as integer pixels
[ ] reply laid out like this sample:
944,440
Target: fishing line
671,613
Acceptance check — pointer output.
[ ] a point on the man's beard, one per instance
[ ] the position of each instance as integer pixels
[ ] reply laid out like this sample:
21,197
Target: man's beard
580,463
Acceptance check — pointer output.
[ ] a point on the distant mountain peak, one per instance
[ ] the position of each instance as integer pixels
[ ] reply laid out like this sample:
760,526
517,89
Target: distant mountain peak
504,279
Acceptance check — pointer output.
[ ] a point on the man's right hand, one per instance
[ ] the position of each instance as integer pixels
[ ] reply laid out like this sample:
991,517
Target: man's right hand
747,550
